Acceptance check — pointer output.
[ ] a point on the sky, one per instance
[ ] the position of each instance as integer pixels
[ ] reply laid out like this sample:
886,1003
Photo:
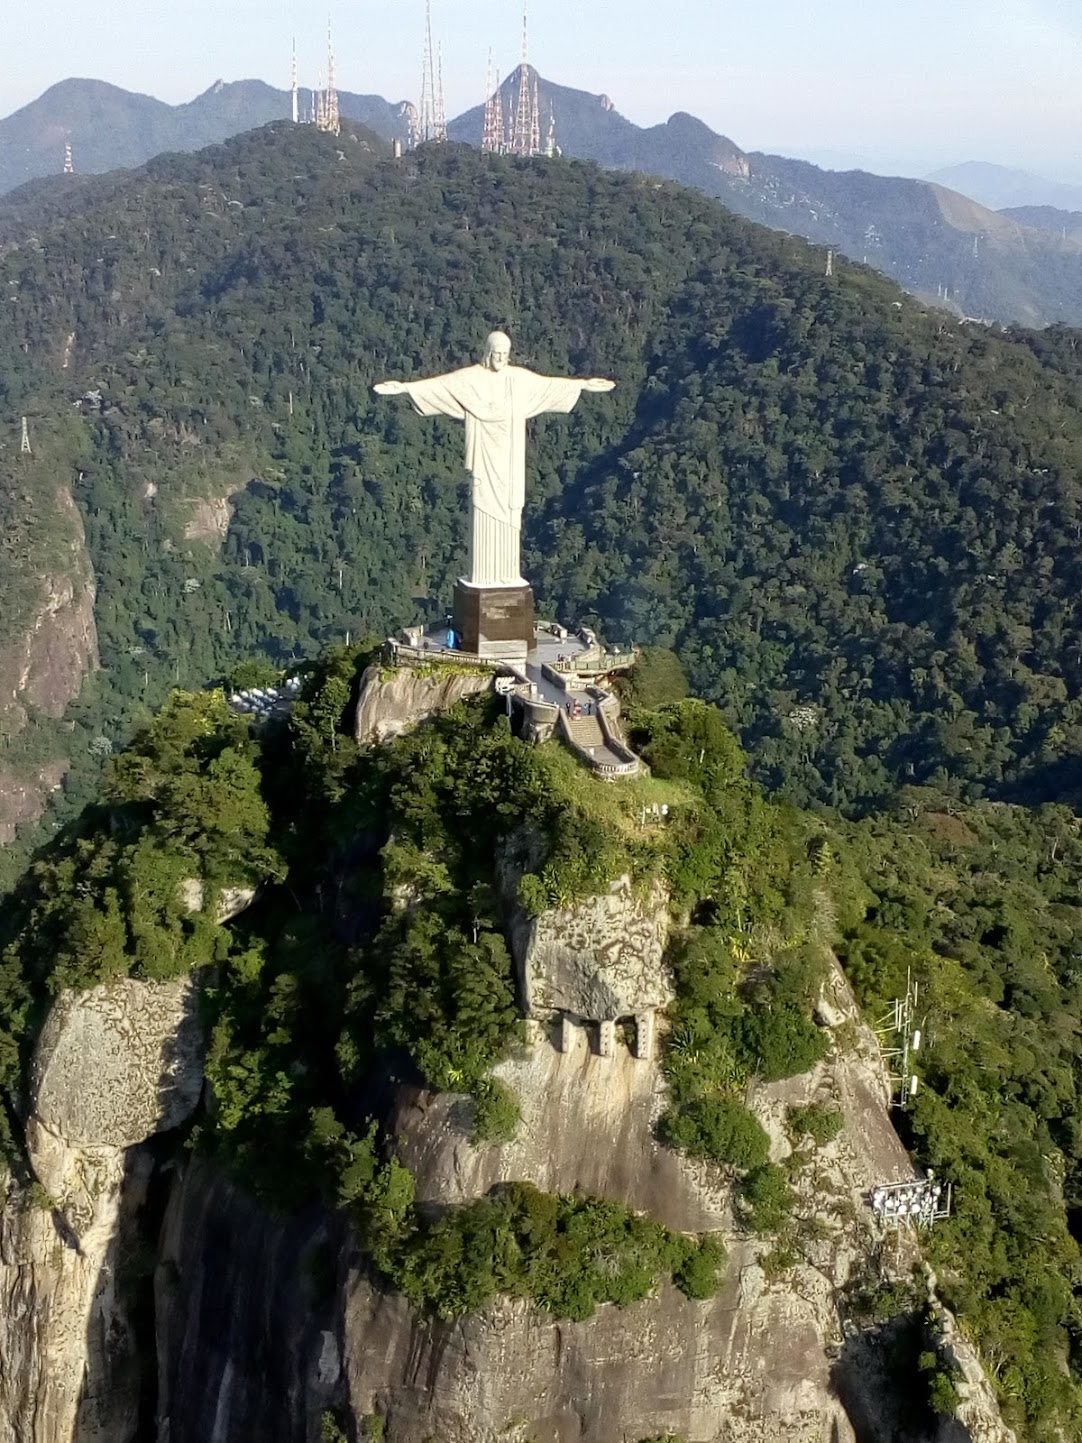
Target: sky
902,86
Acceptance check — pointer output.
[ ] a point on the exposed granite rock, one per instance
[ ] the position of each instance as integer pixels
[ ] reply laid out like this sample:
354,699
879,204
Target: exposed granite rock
209,519
231,901
609,1149
22,798
600,958
113,1066
247,1317
389,705
118,1063
43,661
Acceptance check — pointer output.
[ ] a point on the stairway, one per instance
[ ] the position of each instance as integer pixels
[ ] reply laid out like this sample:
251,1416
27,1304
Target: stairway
586,731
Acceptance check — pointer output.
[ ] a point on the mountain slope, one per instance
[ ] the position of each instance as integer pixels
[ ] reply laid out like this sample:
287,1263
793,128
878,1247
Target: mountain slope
843,510
1065,223
108,127
937,246
999,187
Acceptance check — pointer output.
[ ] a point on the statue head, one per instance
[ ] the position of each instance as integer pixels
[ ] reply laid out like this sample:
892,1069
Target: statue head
497,351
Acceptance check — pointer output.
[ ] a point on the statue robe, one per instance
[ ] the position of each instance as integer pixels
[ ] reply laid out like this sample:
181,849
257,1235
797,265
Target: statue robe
495,405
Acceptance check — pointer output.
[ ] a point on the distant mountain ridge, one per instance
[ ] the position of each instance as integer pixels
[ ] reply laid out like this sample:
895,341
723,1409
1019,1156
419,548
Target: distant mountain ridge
938,244
109,127
1000,187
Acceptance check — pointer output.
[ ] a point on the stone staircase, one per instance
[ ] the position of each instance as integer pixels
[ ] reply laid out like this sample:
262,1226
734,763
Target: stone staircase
586,731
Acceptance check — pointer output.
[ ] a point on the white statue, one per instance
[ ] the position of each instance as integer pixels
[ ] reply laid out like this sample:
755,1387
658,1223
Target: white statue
495,400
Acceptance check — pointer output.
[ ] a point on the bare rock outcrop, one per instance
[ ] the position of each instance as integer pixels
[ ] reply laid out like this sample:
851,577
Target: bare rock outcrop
393,702
601,957
22,798
113,1066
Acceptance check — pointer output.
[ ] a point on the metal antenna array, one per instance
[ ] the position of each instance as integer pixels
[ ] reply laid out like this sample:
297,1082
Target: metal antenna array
440,118
520,134
898,1029
25,447
426,124
296,109
492,137
922,1201
69,164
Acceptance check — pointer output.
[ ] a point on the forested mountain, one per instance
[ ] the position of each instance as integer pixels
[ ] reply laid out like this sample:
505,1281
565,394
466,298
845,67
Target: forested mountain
1065,223
856,519
934,242
108,127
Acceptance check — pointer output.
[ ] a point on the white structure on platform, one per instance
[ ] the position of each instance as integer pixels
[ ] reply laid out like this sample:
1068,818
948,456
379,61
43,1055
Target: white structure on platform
495,400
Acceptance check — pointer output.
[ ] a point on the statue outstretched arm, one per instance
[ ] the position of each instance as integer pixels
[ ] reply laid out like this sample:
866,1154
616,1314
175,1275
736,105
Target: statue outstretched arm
597,383
431,396
390,388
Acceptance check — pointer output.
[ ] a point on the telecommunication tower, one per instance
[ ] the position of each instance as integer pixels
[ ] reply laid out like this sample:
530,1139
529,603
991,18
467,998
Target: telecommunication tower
551,148
69,164
526,127
492,132
426,124
327,117
899,1029
439,119
296,107
25,447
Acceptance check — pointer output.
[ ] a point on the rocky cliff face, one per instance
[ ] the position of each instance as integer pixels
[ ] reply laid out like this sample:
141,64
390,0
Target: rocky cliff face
47,647
113,1066
262,1324
394,702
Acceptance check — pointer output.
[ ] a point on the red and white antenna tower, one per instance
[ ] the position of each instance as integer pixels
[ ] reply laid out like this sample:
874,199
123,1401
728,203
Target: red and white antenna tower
439,119
296,109
69,164
535,121
329,118
491,139
426,125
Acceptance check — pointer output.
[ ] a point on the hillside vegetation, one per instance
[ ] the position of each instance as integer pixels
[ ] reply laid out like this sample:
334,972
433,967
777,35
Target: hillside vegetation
377,950
856,521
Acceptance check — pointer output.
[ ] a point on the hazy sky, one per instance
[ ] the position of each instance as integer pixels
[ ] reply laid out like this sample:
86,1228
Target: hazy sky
903,84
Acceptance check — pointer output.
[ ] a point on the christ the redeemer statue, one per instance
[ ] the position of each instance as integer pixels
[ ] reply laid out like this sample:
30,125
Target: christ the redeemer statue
495,400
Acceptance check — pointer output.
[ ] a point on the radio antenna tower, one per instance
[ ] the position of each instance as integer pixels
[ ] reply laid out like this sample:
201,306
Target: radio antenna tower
492,137
69,164
439,128
296,109
426,127
535,122
329,120
520,133
25,447
899,1027
551,148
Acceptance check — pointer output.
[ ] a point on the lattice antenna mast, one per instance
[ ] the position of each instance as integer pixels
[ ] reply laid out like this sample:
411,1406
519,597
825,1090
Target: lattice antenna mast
489,132
331,120
296,98
501,133
535,121
69,164
440,118
25,447
520,135
551,147
426,127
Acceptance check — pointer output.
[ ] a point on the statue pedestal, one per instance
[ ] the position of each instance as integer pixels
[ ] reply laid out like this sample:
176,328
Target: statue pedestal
494,621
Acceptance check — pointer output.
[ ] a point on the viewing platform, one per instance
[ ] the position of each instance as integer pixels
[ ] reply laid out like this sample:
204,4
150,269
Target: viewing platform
557,690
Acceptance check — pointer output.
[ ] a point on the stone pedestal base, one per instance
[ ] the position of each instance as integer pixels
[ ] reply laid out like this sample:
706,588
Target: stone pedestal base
494,621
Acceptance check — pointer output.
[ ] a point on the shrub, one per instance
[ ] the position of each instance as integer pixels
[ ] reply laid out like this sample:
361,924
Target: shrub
817,1120
719,1129
697,1276
766,1199
496,1112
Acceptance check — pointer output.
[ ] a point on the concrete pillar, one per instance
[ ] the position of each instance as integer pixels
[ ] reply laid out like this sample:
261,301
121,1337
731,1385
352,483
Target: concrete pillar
644,1036
565,1037
606,1038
